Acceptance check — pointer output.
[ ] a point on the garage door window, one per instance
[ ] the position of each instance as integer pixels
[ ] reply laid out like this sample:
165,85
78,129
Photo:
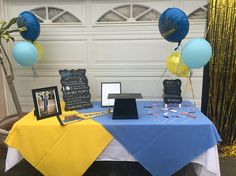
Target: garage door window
49,15
130,13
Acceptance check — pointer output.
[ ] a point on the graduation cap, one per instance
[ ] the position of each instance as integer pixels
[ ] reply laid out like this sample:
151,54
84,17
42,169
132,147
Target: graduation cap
125,105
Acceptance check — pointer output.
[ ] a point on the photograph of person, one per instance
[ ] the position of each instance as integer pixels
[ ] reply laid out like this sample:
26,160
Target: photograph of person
46,102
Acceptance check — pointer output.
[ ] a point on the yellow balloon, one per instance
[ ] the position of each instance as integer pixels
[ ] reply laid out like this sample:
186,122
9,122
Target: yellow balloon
39,48
176,65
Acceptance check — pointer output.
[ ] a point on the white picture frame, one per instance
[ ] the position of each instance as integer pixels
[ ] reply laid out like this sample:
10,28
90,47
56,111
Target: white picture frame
109,88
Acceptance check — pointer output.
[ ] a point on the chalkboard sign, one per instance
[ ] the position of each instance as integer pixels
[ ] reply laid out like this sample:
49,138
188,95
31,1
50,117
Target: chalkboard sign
172,91
75,89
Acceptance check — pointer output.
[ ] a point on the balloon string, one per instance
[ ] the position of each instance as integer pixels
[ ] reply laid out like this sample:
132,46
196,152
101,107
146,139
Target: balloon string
163,73
191,85
178,46
35,74
180,65
207,30
186,88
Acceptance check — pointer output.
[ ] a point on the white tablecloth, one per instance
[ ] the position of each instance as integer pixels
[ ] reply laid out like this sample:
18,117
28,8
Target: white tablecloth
206,164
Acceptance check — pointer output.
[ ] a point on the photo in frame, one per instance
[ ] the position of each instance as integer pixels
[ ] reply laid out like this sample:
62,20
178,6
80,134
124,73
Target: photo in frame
46,102
70,118
109,88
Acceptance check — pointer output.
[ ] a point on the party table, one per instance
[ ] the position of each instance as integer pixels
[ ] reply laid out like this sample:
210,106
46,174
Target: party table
163,142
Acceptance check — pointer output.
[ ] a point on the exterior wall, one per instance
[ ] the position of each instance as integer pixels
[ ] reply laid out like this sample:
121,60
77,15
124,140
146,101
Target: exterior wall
131,53
2,97
2,87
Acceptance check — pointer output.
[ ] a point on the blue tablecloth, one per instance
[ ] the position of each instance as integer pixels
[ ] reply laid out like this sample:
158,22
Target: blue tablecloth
162,145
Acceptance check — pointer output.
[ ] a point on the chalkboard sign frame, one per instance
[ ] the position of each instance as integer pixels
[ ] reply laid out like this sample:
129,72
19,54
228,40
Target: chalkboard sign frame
172,91
75,89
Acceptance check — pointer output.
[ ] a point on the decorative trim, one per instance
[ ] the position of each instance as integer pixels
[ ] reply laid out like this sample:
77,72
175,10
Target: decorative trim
199,14
45,18
130,13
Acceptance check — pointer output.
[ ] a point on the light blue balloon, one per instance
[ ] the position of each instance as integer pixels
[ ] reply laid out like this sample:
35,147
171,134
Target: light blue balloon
25,54
196,53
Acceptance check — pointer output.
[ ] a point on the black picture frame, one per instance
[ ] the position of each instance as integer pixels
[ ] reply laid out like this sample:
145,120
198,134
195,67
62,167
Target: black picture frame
111,88
46,102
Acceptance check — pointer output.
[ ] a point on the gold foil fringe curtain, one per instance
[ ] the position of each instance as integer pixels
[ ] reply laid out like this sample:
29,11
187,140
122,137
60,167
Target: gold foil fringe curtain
222,68
228,151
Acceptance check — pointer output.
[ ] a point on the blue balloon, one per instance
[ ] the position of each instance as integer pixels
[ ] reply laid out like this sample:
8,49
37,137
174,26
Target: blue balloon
173,25
25,54
196,53
30,21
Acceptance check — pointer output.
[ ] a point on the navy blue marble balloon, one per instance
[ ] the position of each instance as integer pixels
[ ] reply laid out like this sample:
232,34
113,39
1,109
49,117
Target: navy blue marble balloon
173,25
30,21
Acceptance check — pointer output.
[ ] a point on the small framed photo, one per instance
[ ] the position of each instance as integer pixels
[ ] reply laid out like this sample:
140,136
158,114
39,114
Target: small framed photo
109,88
46,102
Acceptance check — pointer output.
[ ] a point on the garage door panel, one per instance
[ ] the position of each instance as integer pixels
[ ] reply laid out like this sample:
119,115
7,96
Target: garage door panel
57,52
134,52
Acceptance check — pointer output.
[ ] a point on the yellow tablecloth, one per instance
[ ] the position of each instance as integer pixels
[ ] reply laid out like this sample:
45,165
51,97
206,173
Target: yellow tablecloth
56,150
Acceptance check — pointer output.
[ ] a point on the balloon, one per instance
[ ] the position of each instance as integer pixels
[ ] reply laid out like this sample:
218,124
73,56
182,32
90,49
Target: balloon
39,48
173,25
30,21
176,66
196,53
25,54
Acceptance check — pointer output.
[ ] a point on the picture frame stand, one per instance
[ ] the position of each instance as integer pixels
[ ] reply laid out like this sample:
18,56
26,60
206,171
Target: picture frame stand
59,120
109,110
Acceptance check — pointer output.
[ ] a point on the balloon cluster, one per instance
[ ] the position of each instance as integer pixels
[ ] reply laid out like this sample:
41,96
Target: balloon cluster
174,26
28,53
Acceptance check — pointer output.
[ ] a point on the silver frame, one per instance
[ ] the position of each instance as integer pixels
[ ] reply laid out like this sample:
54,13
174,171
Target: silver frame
111,87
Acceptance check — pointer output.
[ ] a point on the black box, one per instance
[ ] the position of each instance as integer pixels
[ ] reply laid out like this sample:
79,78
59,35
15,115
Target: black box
125,105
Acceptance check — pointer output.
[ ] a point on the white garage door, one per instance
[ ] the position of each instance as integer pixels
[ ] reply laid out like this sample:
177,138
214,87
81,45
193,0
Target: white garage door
114,40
